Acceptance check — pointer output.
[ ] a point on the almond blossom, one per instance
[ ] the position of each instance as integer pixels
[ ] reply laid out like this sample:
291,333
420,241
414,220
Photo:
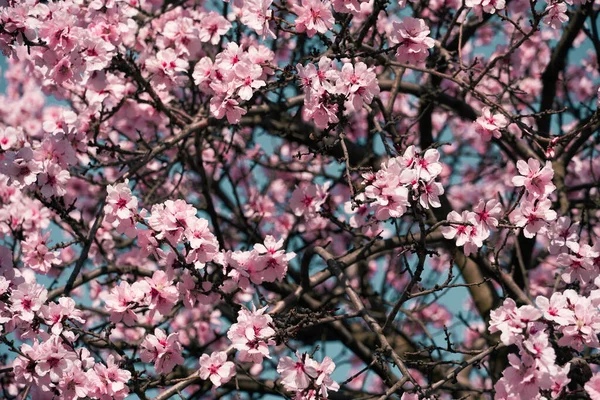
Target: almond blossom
216,368
251,335
314,16
537,180
411,35
164,351
489,124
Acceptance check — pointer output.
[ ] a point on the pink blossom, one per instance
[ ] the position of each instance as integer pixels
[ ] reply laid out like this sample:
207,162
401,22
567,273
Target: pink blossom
555,309
166,67
488,124
412,37
53,359
320,109
256,15
249,79
53,180
163,350
27,300
537,181
74,383
307,200
120,203
459,227
162,294
487,214
296,375
124,299
556,14
592,387
563,235
216,368
359,83
221,107
275,259
212,27
251,335
56,314
489,6
580,265
37,255
20,166
533,216
314,16
112,380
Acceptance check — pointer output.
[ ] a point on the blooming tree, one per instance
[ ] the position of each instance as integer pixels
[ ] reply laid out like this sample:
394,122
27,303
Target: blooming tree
300,199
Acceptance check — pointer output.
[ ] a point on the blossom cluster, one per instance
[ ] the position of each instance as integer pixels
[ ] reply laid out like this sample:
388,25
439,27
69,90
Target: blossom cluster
324,83
403,180
307,378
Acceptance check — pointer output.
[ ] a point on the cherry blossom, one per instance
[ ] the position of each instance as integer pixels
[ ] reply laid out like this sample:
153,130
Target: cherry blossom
536,179
164,351
411,35
251,335
314,16
216,368
201,199
489,124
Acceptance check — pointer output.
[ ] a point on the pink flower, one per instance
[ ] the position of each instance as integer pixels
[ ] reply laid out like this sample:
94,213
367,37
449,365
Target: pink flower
171,219
487,214
216,368
123,299
307,200
563,235
112,380
256,15
74,383
458,227
314,16
556,309
537,181
320,109
428,166
53,180
526,380
249,79
202,241
489,6
296,375
221,107
580,265
20,166
36,254
120,203
165,68
164,350
488,124
10,136
359,83
533,216
55,314
212,27
592,387
251,335
27,300
556,14
53,359
583,327
162,294
324,369
411,36
275,260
